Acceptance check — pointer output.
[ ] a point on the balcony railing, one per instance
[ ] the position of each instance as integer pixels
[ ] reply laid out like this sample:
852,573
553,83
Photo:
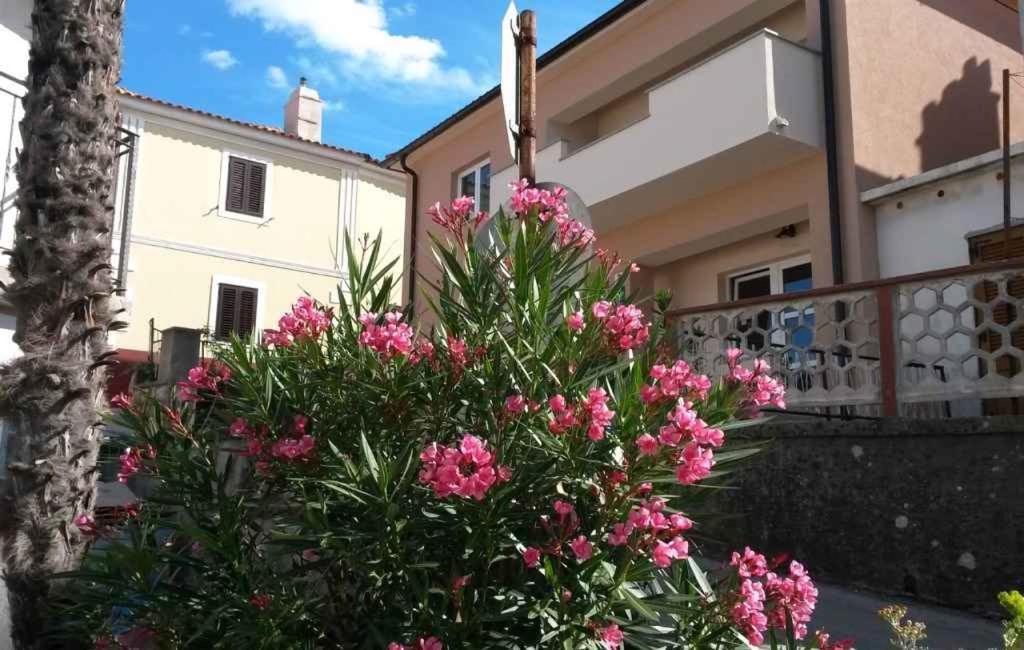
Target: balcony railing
932,345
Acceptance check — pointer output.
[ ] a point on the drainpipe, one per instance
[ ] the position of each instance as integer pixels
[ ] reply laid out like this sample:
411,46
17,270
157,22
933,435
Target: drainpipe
831,144
413,226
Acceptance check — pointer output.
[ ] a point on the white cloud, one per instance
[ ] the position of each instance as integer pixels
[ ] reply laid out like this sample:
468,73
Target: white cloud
404,10
357,32
220,59
333,105
276,77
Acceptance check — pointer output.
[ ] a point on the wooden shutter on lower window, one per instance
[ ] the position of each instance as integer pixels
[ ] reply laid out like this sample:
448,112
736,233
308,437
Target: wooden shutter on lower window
246,311
227,311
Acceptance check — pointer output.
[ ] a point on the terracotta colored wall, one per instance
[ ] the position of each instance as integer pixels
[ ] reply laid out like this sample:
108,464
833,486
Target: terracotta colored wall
919,85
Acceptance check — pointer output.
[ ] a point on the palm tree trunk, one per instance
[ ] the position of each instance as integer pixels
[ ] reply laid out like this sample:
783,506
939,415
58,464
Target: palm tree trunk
61,292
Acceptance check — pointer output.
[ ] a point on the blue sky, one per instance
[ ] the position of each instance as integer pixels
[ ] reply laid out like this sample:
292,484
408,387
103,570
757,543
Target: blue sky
388,70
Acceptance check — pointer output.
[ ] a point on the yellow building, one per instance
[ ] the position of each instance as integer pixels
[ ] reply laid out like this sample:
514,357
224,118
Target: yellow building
228,222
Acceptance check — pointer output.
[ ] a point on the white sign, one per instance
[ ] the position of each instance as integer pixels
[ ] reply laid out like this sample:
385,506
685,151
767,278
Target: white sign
510,75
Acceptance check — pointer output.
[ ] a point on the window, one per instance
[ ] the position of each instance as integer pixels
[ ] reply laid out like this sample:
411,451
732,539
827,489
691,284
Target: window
789,276
235,311
245,188
476,182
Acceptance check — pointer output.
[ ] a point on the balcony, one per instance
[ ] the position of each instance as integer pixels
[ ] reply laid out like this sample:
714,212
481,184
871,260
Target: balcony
750,108
938,344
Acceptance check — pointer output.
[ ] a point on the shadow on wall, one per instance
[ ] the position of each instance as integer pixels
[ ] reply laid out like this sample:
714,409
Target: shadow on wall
964,122
993,17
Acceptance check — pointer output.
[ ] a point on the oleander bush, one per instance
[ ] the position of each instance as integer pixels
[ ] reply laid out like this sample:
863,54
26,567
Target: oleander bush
527,472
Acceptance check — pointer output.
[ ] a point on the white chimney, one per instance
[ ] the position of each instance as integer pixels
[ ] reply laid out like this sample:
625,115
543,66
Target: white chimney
304,112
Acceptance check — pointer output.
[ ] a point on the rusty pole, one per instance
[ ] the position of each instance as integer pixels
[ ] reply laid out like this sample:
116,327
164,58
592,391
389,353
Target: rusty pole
527,141
1007,217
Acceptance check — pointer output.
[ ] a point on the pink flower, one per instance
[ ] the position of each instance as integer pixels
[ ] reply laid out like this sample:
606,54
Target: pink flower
679,522
504,473
624,327
294,449
388,339
563,508
459,583
203,380
86,524
260,601
582,548
750,564
531,557
611,636
619,535
748,611
647,444
122,401
665,553
695,464
733,355
131,464
794,595
466,471
300,424
675,382
137,638
596,407
515,404
455,217
574,321
310,555
825,644
239,428
429,643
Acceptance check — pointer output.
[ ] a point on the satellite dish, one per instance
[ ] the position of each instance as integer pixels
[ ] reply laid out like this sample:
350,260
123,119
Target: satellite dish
510,75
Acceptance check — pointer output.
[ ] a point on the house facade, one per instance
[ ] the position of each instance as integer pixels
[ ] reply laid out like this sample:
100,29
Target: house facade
221,224
725,147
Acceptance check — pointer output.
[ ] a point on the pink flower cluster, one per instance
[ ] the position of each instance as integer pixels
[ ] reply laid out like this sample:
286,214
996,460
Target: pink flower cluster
467,471
550,206
306,321
390,338
560,532
260,601
764,604
132,462
611,636
762,389
825,643
695,460
624,325
86,524
204,379
648,527
593,413
455,217
298,447
673,382
426,643
123,401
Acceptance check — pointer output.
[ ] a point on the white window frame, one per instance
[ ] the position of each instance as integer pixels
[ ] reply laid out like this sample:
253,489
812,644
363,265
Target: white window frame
261,301
268,187
475,170
774,270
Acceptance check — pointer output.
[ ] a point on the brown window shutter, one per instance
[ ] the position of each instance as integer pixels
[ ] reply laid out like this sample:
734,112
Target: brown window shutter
246,312
235,199
227,311
255,185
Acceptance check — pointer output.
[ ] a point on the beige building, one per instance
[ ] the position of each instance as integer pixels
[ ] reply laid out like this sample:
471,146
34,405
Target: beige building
725,145
228,222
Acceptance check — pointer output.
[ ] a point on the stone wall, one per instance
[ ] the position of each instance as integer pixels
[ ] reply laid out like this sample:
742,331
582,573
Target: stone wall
931,508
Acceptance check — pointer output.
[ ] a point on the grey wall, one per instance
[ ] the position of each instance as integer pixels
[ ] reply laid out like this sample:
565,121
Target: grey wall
933,508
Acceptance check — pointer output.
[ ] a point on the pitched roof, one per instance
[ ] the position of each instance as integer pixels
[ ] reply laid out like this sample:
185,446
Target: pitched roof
252,125
549,57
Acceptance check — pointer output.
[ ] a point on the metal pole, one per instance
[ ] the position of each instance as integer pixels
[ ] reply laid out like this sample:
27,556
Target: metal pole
1007,217
527,143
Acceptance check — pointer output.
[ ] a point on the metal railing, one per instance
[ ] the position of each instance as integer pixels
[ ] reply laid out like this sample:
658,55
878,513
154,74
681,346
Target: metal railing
916,345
